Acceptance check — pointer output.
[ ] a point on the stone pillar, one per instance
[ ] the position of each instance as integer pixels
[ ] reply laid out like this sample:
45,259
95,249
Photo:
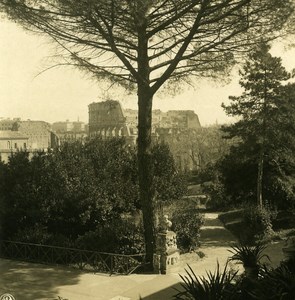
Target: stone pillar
167,254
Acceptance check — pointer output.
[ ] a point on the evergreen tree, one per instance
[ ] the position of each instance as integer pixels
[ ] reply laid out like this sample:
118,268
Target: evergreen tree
143,45
264,110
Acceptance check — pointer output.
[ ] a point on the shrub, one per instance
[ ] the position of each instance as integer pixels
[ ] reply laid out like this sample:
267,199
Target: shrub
123,236
257,224
187,224
217,196
37,234
277,284
130,236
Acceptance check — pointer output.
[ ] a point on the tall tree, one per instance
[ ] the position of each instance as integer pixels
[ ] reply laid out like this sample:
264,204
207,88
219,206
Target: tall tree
260,108
142,44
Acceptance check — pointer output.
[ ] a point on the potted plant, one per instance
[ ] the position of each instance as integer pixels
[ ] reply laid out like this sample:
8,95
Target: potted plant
216,285
250,257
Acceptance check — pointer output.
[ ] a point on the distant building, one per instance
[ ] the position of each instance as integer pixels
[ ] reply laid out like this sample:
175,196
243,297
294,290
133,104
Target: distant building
11,142
66,126
38,132
106,119
175,127
131,120
79,126
7,124
172,119
70,131
181,119
27,135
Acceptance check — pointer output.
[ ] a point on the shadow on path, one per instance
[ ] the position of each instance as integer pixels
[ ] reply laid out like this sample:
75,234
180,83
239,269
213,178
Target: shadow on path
167,293
26,281
213,233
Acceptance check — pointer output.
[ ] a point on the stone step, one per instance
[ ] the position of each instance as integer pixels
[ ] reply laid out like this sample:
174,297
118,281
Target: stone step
216,234
212,222
213,233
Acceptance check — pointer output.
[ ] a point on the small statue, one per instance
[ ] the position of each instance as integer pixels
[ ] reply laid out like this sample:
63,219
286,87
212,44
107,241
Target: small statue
165,223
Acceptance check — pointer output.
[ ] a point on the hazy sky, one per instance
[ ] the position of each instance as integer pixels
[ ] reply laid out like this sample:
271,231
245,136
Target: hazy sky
64,93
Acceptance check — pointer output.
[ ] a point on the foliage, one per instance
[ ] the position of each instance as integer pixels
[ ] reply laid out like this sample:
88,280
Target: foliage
218,199
37,234
211,146
250,256
277,284
258,223
218,285
250,224
202,147
110,30
122,235
18,194
238,175
141,45
115,168
78,195
261,164
169,183
187,224
272,283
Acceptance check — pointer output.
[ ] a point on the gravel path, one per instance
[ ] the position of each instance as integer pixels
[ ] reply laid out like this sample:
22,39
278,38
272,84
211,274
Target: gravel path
215,242
39,282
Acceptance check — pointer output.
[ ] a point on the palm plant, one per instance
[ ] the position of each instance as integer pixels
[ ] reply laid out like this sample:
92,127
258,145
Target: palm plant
214,286
276,284
250,257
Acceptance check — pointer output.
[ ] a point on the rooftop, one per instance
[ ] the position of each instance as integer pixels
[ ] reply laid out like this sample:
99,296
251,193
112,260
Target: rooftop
9,134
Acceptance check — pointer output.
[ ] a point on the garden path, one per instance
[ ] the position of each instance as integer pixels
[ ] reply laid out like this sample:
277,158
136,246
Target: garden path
214,234
215,242
39,282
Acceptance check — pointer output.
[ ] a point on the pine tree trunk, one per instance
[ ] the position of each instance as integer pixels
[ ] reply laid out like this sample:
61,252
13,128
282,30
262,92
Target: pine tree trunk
260,178
261,150
145,173
145,164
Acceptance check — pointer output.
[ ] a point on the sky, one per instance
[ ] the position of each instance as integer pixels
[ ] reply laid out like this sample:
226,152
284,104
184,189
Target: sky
63,93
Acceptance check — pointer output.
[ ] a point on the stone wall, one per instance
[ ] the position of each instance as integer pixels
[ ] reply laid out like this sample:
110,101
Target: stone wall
106,119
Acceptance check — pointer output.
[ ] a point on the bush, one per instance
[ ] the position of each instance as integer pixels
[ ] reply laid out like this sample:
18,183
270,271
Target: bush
40,235
257,224
124,236
37,234
217,196
187,224
277,284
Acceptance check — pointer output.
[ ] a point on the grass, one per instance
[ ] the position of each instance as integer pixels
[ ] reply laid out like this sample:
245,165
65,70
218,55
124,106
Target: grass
233,221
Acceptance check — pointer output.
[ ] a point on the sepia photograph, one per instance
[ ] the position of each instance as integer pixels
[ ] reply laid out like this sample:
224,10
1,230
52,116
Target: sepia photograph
147,149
